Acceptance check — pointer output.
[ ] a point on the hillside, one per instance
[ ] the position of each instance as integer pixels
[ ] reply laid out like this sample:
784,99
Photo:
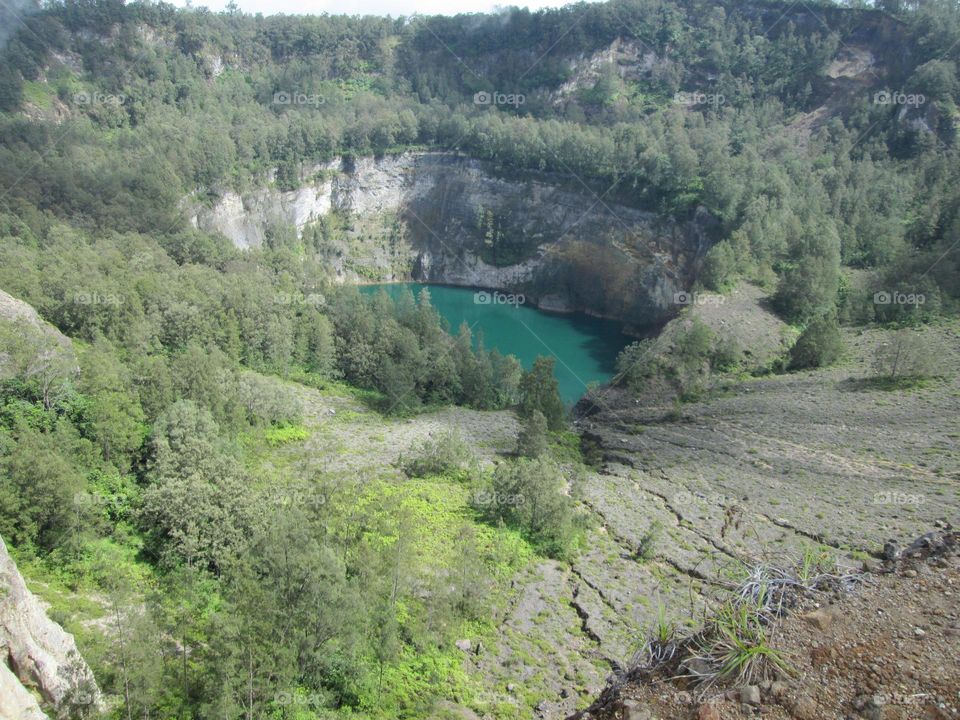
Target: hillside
648,146
886,647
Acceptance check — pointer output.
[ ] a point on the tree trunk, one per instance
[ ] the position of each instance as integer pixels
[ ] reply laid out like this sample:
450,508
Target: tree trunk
123,660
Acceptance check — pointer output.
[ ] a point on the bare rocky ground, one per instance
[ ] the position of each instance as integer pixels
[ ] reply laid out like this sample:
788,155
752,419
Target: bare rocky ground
349,438
771,464
887,650
761,469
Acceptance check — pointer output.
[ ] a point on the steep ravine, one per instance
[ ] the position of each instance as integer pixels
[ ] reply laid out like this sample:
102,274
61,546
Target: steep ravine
444,218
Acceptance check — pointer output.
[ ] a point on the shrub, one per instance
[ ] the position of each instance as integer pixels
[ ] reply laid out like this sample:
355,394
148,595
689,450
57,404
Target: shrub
532,440
532,496
539,391
448,454
819,345
720,267
906,355
267,401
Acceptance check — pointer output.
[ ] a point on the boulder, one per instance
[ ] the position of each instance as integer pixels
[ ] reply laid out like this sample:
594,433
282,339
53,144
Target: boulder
750,695
821,619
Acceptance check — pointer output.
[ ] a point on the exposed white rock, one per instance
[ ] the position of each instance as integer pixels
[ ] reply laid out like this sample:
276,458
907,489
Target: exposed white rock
56,351
244,220
16,702
37,651
229,217
429,215
14,309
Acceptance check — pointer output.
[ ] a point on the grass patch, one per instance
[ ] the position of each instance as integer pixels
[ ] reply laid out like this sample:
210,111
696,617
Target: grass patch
286,434
39,94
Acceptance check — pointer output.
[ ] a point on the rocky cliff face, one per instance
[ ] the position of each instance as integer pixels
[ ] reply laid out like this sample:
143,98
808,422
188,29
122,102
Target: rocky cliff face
14,310
38,656
443,218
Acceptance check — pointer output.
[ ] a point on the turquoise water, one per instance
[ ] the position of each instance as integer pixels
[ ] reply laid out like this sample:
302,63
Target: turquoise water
585,348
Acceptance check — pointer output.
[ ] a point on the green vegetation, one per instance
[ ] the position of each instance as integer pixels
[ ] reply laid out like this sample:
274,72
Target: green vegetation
287,434
738,643
447,455
820,344
907,358
196,569
532,440
537,497
682,364
539,393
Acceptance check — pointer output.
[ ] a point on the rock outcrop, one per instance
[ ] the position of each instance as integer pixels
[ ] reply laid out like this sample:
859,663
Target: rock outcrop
17,311
37,655
16,702
445,218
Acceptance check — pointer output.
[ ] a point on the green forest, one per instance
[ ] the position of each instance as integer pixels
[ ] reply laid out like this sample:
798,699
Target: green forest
132,466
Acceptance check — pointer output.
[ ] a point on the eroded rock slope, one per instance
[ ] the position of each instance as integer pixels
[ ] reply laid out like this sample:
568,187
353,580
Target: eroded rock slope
444,218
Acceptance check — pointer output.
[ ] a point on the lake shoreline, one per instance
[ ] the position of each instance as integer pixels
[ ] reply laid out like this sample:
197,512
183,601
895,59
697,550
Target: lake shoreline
638,332
585,347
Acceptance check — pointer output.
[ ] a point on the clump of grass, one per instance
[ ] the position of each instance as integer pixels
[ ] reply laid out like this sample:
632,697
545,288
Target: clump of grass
813,563
780,588
285,434
661,645
647,545
735,646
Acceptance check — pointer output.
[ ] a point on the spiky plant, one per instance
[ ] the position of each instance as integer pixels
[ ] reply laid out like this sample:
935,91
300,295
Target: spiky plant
736,646
661,644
